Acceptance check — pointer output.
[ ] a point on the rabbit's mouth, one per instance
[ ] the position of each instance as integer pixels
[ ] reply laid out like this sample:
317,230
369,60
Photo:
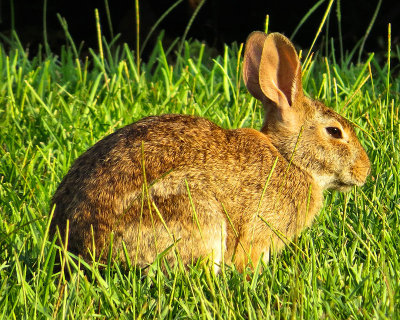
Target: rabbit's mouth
346,183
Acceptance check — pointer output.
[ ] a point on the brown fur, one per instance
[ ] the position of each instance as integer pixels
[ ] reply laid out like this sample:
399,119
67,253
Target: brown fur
182,180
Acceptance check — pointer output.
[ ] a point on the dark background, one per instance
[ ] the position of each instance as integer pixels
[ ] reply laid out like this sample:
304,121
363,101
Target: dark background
217,22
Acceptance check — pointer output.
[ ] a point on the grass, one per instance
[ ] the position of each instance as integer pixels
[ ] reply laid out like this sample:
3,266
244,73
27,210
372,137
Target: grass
52,109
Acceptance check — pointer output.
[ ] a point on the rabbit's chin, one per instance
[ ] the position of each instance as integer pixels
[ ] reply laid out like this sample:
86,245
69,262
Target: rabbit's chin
343,186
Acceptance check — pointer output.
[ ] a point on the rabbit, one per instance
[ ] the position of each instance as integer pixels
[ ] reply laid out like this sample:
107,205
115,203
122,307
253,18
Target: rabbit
182,186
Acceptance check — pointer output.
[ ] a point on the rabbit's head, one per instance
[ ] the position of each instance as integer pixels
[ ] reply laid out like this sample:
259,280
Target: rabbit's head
306,132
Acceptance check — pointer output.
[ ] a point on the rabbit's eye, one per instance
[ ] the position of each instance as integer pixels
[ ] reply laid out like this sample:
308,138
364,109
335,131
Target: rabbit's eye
335,132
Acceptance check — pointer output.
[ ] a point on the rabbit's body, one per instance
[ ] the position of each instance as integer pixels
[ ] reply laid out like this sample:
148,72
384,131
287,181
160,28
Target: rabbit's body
213,193
215,165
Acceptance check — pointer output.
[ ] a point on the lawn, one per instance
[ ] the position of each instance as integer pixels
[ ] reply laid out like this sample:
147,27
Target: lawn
52,108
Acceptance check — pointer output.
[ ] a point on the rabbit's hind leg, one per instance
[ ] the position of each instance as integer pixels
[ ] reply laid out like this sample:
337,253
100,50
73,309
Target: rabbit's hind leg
203,234
191,229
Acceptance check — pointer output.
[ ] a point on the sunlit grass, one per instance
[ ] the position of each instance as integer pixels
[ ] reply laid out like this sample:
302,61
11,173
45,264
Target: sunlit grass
53,109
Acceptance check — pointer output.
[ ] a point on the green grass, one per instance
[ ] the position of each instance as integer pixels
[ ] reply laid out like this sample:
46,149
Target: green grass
346,266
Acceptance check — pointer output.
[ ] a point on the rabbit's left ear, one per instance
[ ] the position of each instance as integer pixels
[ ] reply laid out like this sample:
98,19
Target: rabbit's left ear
280,72
251,63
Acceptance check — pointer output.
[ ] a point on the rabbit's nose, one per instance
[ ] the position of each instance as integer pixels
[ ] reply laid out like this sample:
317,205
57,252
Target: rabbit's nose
361,168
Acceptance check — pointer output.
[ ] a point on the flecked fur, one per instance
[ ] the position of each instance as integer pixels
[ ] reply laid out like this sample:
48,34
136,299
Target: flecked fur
213,193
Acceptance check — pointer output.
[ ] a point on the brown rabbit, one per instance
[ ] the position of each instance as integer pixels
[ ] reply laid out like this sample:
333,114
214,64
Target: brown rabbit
207,192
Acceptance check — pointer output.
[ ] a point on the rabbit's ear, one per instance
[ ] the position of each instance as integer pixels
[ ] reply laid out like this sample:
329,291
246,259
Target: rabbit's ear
280,71
251,63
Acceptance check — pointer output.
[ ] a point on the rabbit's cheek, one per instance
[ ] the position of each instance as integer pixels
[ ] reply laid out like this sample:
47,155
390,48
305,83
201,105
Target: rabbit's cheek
324,181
